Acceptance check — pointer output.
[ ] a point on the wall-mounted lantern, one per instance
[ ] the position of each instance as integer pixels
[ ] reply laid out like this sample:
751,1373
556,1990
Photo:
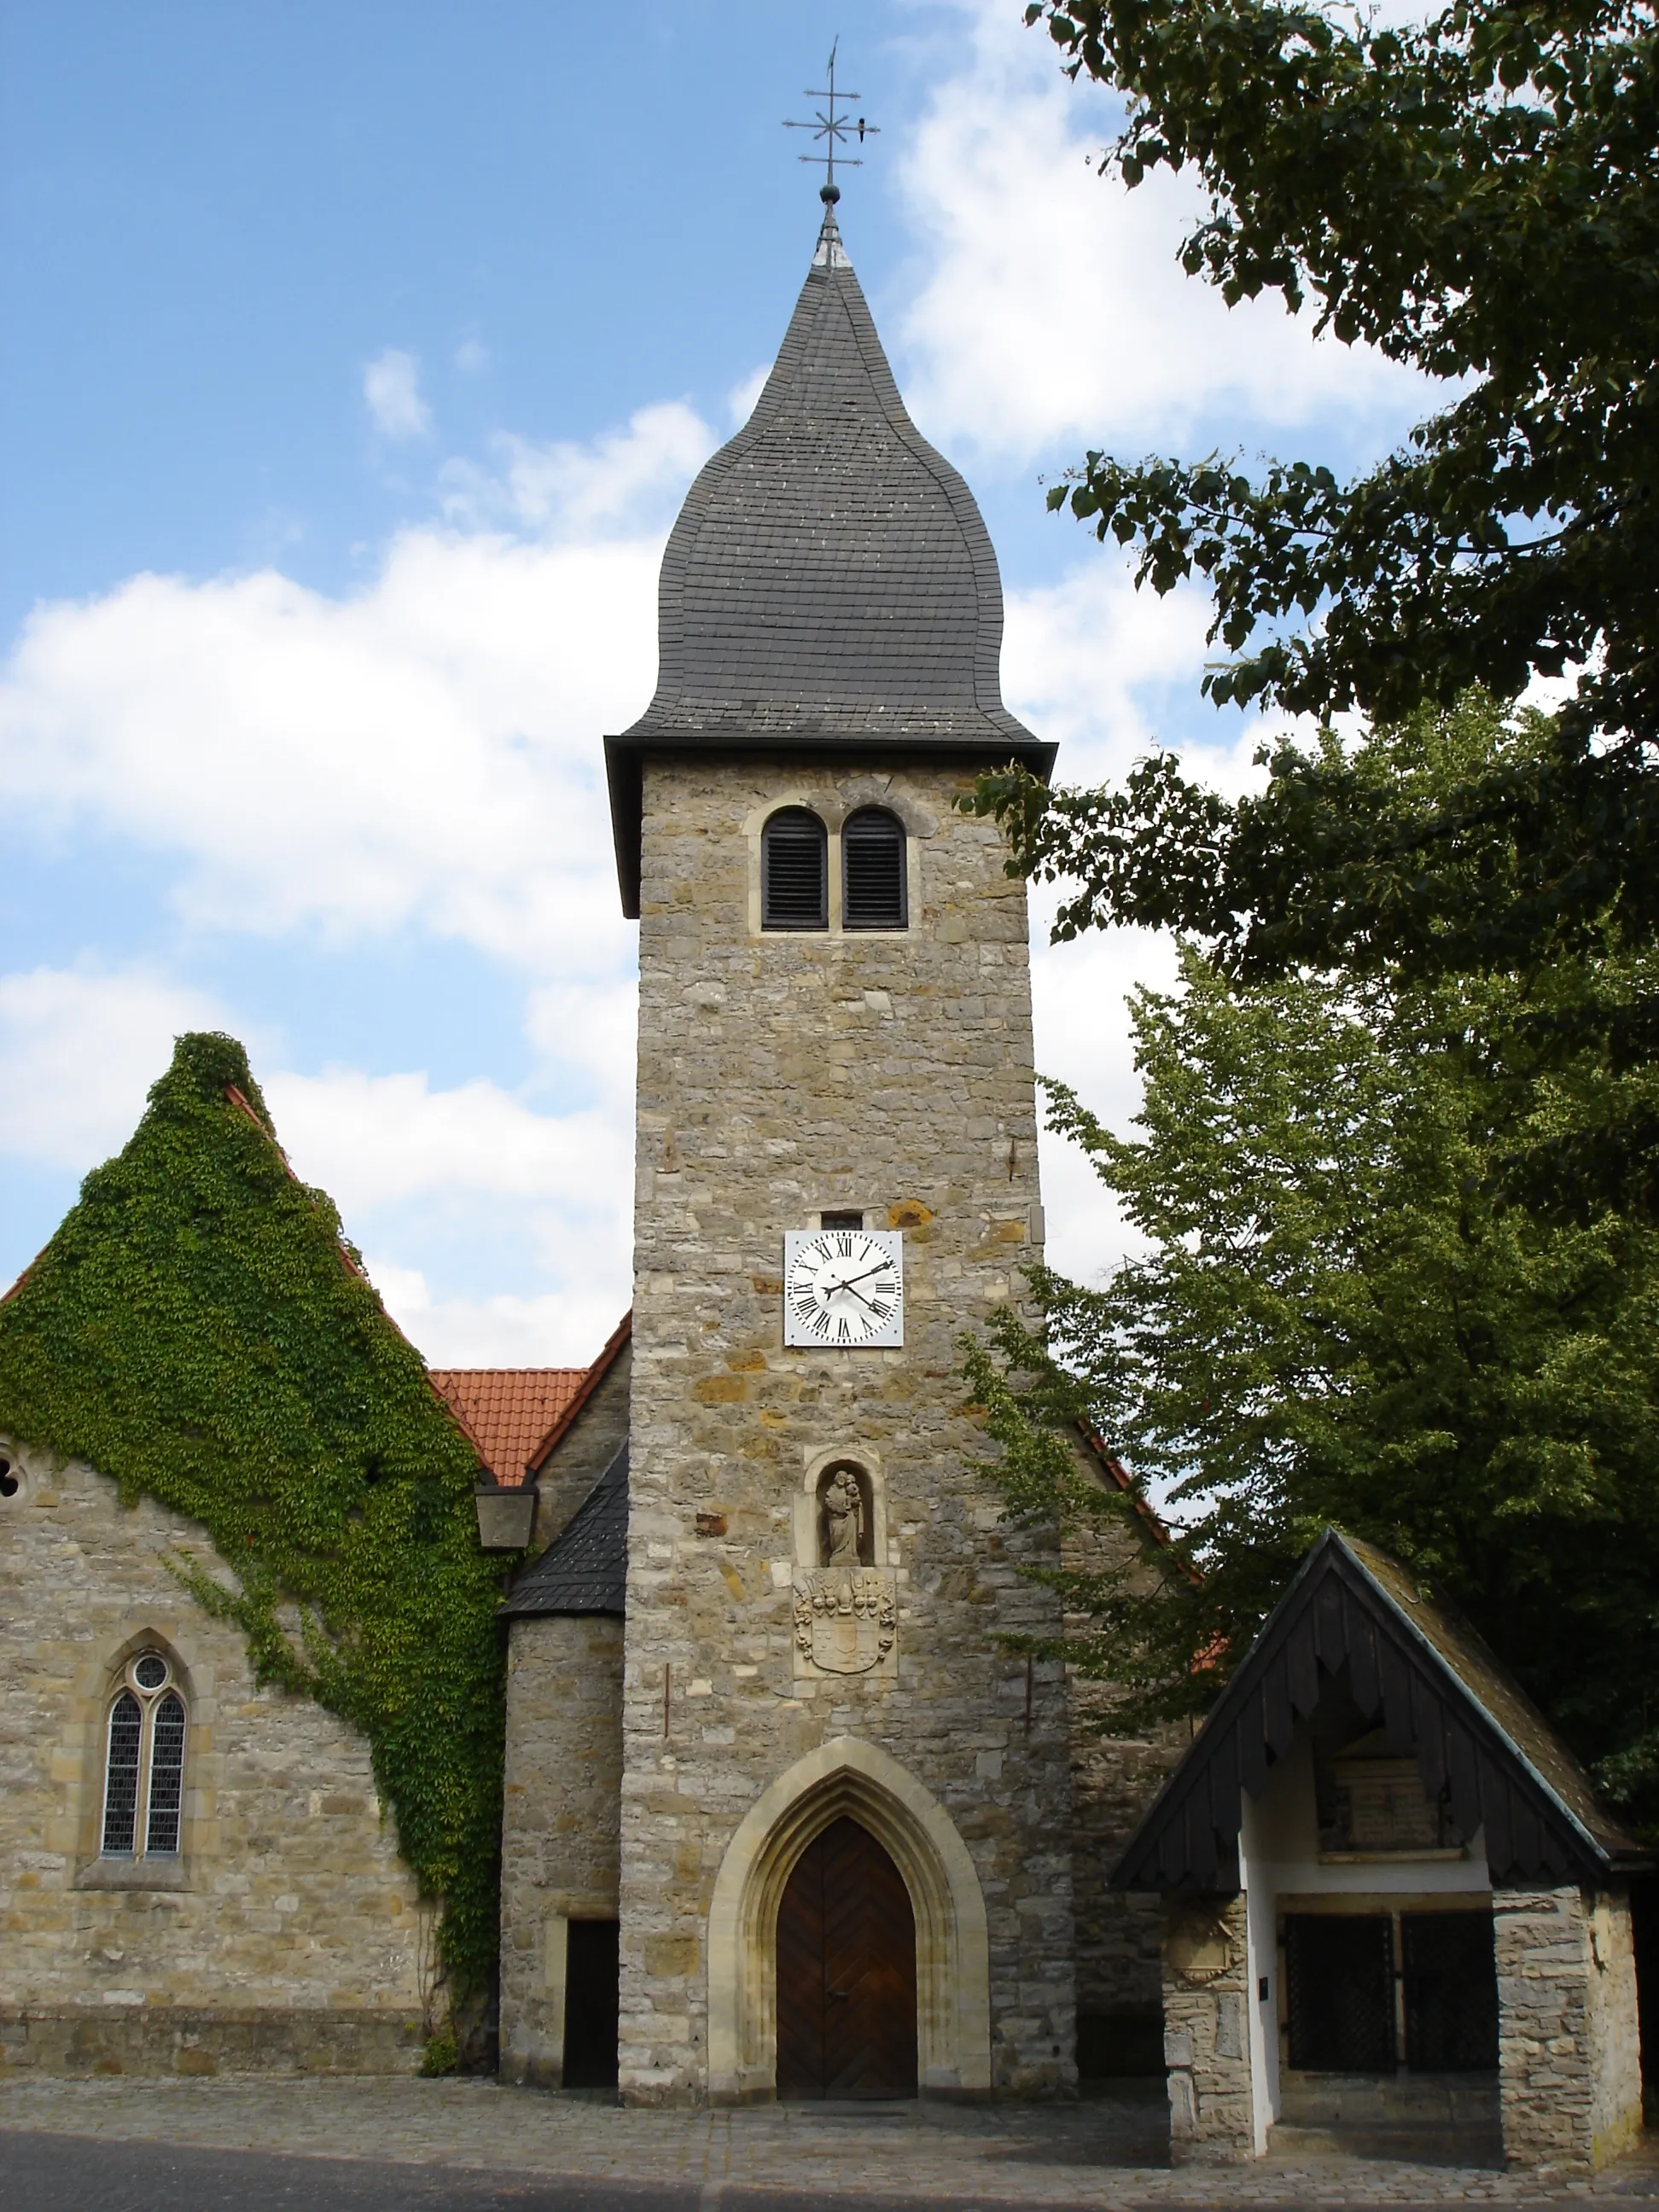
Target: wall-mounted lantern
506,1515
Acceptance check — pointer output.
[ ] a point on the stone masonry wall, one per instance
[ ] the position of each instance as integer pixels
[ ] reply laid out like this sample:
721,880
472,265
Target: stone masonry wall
586,1449
1114,1778
1615,2030
560,1822
1207,2046
1569,2062
780,1075
287,1934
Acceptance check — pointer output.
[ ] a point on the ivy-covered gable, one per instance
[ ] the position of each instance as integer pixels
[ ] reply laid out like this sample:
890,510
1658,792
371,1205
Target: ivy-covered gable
198,1331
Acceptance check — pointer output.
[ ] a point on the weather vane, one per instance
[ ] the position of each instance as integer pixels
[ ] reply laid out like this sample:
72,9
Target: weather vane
834,127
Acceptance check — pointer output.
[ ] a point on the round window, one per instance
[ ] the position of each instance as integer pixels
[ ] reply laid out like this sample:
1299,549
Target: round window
150,1672
11,1481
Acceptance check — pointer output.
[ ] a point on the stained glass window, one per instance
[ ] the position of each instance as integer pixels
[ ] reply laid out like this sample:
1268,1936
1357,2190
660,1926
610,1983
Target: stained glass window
127,1731
166,1774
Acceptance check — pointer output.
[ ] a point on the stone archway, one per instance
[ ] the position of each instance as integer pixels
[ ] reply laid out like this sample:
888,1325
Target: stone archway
847,1778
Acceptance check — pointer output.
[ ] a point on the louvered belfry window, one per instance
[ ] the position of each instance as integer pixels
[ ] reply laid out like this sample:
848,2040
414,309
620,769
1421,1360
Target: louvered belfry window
872,867
794,871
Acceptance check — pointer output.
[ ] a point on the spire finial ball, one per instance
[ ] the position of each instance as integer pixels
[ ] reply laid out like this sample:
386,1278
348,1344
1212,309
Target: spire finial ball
828,194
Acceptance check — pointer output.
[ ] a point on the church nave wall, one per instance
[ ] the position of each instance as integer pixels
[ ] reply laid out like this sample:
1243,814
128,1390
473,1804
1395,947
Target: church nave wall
285,1931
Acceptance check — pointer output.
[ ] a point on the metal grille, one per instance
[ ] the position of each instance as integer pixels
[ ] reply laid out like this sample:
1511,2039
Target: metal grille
793,872
1451,1992
126,1729
1339,1971
166,1774
873,864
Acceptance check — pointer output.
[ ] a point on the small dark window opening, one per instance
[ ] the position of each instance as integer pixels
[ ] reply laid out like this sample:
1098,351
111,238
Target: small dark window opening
841,1221
1339,1972
794,871
1451,1992
872,868
592,2003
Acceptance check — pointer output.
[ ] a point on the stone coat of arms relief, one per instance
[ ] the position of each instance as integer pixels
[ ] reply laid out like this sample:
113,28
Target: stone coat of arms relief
846,1610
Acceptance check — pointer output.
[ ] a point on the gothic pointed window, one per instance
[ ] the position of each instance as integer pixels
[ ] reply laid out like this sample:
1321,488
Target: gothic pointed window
127,1735
873,871
144,1763
794,871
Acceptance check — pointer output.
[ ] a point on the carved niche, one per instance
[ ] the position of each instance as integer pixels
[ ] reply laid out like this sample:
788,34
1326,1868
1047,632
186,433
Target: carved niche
846,1604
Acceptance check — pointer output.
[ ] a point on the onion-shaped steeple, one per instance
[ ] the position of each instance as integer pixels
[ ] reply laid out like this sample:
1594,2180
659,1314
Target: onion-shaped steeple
830,585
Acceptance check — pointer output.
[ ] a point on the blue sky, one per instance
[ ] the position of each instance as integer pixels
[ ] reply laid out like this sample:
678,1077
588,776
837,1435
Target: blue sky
355,360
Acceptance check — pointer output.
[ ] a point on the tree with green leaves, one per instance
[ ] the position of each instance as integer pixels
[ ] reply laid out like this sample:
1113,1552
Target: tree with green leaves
1337,1314
1476,196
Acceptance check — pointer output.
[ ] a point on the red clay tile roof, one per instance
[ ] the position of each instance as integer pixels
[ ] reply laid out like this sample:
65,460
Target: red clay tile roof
506,1410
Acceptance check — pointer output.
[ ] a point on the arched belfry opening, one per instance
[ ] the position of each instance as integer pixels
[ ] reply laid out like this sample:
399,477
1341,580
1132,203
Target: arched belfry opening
836,1868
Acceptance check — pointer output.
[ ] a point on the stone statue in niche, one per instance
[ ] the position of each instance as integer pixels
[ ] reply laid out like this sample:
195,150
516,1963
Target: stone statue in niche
846,1613
844,1519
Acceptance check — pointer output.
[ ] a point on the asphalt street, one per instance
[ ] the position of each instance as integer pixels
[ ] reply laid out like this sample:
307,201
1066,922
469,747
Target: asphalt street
42,2173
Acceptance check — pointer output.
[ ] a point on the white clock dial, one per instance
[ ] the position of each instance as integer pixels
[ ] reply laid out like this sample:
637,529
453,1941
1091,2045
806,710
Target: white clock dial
843,1286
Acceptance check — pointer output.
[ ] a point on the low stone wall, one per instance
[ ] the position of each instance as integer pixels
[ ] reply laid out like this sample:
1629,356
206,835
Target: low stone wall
1206,2045
1568,2051
156,2039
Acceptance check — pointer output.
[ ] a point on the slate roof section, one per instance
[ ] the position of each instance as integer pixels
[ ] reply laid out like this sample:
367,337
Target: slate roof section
584,1569
1442,1696
829,583
506,1410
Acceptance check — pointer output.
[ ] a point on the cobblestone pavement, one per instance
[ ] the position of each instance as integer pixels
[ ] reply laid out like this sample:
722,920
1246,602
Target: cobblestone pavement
1106,2153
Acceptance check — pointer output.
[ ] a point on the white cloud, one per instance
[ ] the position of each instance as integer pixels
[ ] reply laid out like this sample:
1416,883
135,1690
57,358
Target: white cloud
569,491
744,396
427,753
471,356
1053,306
391,387
562,1328
81,1047
377,1140
389,1150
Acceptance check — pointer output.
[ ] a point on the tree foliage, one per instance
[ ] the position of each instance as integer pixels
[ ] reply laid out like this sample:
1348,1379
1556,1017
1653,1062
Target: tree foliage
1337,1314
1477,197
196,1330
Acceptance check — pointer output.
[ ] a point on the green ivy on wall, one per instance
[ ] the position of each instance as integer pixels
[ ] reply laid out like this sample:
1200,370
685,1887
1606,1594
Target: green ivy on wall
195,1331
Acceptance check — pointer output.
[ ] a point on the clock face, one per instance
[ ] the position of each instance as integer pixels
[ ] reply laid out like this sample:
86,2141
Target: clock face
843,1286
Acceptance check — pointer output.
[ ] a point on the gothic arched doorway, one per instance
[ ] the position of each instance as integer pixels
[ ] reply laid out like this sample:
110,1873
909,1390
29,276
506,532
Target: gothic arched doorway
846,1972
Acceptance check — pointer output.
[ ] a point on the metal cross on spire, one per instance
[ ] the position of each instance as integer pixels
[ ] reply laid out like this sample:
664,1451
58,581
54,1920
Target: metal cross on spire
833,127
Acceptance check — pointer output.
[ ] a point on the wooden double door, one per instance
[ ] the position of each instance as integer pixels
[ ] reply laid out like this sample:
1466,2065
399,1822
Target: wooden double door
847,1972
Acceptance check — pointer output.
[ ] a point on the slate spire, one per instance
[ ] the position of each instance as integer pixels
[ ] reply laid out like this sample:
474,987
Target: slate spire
830,585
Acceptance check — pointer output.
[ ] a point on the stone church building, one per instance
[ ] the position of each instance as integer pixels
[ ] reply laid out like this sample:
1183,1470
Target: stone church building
787,1811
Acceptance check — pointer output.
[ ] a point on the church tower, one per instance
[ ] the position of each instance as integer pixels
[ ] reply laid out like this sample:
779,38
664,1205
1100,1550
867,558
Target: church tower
762,1735
845,1815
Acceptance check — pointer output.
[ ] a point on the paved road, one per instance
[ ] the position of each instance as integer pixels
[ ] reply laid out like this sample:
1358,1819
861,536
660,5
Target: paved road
78,2173
43,2173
